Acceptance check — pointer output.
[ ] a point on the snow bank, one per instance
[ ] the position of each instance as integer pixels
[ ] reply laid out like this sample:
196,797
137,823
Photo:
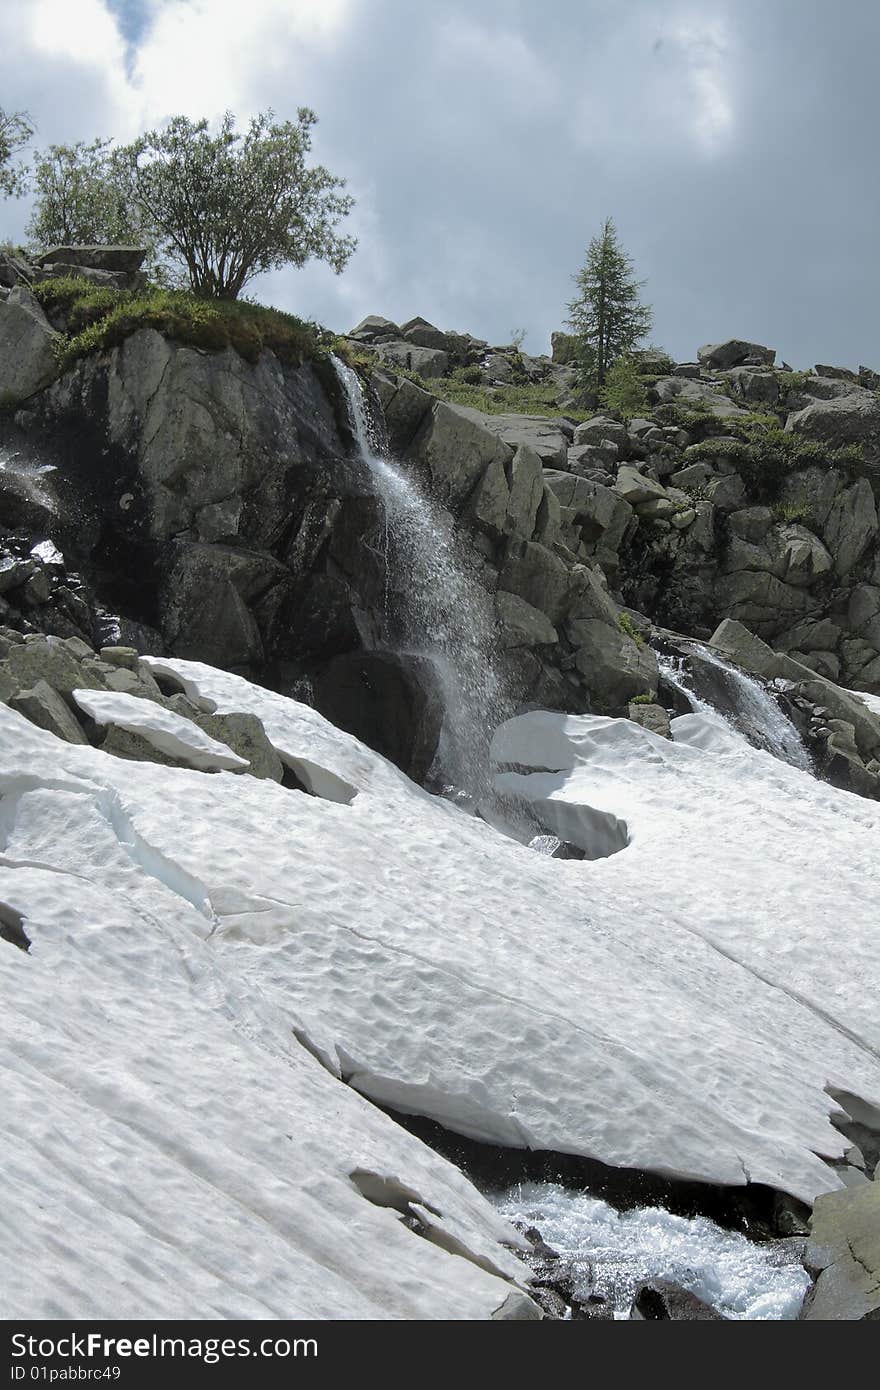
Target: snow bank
679,1006
164,730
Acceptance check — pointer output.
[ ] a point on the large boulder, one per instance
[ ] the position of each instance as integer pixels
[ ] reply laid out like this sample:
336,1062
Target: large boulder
423,334
547,437
374,326
614,666
734,353
701,395
124,259
207,596
454,448
850,418
27,347
852,525
844,1249
426,362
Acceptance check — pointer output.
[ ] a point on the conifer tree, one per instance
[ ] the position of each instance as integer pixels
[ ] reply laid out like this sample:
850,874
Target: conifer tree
606,314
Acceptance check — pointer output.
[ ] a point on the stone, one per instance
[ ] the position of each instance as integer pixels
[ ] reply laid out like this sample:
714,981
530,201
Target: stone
15,572
656,509
844,1248
547,437
526,484
614,667
44,707
27,347
455,449
404,406
694,394
635,487
489,502
121,656
520,624
206,593
424,334
424,361
586,458
564,348
839,373
245,735
654,718
751,524
665,1300
756,387
48,659
548,519
374,326
14,270
761,600
107,279
691,370
683,519
852,525
127,259
535,574
589,599
810,635
601,428
727,493
852,418
733,352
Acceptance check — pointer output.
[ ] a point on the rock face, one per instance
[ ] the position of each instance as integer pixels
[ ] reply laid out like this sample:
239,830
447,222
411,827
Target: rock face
220,507
27,357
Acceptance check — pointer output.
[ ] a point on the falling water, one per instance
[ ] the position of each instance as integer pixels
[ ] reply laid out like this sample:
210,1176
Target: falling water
748,706
440,611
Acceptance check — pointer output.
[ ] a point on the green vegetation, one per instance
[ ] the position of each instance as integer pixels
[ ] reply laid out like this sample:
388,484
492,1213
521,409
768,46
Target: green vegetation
791,381
527,398
80,197
606,314
765,455
798,510
15,132
624,391
96,318
628,627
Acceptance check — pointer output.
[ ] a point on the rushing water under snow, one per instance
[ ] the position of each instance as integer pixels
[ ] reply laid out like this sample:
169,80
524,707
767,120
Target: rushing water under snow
612,1254
440,611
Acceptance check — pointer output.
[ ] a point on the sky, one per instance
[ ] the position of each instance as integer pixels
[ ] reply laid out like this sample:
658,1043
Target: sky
734,142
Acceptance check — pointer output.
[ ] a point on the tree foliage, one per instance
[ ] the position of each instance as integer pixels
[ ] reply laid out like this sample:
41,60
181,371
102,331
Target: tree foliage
606,313
224,207
82,197
15,132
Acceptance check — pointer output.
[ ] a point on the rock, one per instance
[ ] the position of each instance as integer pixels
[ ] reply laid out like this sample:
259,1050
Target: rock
424,334
635,487
599,429
405,407
535,574
526,489
498,368
48,659
245,735
852,524
663,1299
14,270
853,418
424,361
548,438
683,519
521,625
689,370
564,348
206,592
126,259
844,1247
838,373
374,326
760,600
15,572
389,702
27,347
700,395
614,666
654,718
45,708
811,635
727,493
455,449
656,509
758,388
734,352
121,656
584,459
27,503
751,524
107,279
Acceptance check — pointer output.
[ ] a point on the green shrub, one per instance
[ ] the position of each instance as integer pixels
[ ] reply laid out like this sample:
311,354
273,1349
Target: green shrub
798,510
624,392
628,626
96,318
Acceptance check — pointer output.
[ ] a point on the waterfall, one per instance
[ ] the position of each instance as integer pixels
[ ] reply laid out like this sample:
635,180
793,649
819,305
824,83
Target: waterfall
438,611
741,700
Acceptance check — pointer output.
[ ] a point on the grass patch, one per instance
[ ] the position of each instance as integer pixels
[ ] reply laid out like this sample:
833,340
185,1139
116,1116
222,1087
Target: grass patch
628,627
798,510
507,398
96,318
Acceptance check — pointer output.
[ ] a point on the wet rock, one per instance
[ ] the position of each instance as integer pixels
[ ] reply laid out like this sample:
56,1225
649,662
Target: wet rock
844,1248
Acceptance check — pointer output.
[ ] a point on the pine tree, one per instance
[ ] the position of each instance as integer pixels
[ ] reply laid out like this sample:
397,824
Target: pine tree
606,314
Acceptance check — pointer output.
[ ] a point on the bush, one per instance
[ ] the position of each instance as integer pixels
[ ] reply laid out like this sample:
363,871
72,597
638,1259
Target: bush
628,627
798,510
624,392
96,318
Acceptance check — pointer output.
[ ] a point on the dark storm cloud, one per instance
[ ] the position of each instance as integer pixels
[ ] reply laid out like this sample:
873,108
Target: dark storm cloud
734,143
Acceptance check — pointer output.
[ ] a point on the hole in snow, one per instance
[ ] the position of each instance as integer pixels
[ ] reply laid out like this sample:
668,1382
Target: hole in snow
389,1192
12,929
